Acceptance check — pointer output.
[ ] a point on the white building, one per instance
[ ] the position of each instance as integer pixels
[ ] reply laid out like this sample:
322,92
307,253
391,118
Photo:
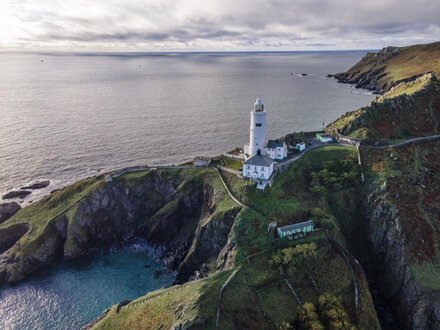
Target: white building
300,146
259,168
257,138
276,149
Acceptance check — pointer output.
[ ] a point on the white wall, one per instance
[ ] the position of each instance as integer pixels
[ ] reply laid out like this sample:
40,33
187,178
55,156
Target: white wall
277,153
257,138
263,172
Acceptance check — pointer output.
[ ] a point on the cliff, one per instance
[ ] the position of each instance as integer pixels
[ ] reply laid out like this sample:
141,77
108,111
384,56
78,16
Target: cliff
403,208
222,253
410,109
393,65
178,211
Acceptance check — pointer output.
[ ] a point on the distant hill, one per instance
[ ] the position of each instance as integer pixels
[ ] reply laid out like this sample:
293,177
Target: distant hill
392,65
410,109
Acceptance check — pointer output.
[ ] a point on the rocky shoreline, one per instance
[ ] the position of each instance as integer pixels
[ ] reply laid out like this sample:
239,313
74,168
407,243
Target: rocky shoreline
181,222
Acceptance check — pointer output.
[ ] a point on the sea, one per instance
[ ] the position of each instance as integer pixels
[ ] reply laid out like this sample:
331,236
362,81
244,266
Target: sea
64,117
73,293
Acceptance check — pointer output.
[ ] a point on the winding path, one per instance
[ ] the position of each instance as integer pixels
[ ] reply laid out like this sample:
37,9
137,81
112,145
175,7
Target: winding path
229,192
409,141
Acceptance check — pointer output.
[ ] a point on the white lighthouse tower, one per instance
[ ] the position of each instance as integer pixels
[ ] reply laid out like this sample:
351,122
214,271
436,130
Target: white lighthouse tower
257,139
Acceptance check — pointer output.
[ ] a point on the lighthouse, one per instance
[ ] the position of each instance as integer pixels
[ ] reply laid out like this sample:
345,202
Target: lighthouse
257,136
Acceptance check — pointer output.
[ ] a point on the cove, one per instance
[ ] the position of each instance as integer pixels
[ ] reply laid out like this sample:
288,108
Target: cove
73,293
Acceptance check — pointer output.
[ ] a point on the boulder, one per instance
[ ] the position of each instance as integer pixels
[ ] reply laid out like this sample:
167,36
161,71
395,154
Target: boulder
7,210
16,194
37,185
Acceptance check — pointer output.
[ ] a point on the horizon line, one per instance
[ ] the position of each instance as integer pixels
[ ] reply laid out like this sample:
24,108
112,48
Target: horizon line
58,52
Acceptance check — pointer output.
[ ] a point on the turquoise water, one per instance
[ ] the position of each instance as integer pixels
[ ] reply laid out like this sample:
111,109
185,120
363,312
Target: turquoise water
73,293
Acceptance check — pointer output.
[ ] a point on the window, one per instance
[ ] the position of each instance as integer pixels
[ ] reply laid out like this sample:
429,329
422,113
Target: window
258,125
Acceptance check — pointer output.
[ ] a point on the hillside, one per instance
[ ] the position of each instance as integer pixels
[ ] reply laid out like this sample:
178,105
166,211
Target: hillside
392,65
403,208
258,296
206,237
410,109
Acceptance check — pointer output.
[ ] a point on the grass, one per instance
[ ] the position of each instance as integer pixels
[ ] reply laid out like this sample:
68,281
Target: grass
163,308
418,207
289,199
235,164
258,297
408,88
42,212
409,62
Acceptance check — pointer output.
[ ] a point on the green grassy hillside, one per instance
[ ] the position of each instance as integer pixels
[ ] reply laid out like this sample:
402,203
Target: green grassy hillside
410,109
393,65
408,177
258,297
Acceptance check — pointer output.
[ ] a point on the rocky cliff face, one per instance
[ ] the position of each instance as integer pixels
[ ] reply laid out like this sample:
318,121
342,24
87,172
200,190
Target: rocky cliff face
403,212
412,308
390,66
181,215
408,110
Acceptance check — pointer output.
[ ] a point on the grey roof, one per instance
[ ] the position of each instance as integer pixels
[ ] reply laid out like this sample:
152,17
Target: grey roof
299,225
259,160
272,144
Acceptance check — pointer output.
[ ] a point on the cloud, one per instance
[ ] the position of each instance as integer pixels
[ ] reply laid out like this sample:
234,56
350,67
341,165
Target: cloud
145,25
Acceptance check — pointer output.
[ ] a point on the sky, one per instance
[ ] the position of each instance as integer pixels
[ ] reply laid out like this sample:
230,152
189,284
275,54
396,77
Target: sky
215,25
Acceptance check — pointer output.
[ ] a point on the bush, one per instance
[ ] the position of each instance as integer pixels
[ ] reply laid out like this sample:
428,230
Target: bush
334,175
288,259
333,313
308,318
323,219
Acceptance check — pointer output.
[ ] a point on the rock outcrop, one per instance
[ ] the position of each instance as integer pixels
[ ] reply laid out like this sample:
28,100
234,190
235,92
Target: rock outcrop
407,110
16,194
390,66
178,214
412,308
7,210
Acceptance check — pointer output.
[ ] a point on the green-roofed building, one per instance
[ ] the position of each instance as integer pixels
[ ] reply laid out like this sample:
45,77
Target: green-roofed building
296,230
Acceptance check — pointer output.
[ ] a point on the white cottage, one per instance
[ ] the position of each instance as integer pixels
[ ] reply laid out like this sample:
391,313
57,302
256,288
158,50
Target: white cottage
259,168
276,149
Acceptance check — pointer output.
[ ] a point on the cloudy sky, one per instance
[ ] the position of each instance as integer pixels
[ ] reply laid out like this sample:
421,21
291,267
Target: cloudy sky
191,25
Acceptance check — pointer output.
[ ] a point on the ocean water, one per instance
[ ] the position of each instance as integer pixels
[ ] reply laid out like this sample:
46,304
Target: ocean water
73,293
65,117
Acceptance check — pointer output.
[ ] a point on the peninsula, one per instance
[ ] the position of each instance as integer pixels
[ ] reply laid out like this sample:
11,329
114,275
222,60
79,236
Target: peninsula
335,222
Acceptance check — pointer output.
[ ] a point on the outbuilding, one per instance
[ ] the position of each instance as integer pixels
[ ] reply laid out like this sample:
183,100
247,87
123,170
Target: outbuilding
324,138
296,230
201,161
300,146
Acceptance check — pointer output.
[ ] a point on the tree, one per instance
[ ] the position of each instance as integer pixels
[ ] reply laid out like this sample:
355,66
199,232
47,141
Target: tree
333,313
308,318
285,326
288,259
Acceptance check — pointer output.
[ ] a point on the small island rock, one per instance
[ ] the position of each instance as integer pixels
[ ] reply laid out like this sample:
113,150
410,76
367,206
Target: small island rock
7,210
16,194
37,185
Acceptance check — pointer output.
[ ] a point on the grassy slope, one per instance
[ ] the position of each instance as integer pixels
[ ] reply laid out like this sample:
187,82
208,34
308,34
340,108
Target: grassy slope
407,110
258,297
391,69
413,184
42,212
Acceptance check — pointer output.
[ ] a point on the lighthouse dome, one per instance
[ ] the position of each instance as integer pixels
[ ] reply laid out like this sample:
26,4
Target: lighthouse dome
259,106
